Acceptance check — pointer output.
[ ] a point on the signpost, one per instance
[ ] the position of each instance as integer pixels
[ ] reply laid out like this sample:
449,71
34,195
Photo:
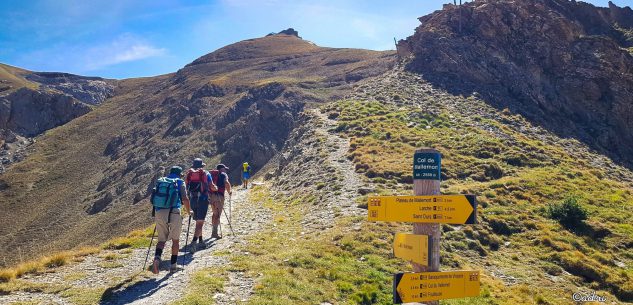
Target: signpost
414,248
455,209
427,209
432,286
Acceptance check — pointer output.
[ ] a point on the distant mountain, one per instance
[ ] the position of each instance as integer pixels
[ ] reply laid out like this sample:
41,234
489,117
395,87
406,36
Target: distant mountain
88,176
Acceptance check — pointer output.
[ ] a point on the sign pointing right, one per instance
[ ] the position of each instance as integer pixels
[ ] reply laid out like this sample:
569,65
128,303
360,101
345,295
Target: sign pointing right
453,209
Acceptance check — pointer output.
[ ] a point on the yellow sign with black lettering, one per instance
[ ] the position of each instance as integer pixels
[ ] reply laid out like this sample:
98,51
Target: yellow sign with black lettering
454,209
432,286
412,247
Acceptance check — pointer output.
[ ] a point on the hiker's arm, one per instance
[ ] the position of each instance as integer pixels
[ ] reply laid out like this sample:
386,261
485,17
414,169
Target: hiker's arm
227,185
185,201
212,186
185,198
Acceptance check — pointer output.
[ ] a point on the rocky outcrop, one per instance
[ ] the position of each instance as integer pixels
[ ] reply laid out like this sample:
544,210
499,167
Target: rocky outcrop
565,65
89,90
288,31
28,112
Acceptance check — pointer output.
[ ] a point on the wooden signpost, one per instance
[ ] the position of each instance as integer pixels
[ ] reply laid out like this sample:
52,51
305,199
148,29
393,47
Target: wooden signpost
427,209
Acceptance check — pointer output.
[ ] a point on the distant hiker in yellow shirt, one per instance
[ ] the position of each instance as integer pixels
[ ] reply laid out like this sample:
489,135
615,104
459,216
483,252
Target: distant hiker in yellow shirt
246,174
167,198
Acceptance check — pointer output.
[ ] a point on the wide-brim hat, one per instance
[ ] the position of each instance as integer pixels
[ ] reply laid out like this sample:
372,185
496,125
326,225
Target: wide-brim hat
197,163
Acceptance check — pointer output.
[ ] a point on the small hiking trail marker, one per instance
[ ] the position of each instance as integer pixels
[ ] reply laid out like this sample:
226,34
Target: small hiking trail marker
426,210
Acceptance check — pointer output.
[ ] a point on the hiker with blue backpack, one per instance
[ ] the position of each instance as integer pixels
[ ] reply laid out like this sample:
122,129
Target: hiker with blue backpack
198,188
168,196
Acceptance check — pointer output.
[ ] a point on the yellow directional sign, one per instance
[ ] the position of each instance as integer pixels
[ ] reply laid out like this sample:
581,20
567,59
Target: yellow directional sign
455,209
412,247
432,286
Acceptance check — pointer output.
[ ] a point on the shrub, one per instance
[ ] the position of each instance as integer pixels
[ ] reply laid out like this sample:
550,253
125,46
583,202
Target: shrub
568,213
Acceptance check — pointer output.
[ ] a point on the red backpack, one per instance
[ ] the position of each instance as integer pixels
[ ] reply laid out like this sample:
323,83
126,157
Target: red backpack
196,181
215,177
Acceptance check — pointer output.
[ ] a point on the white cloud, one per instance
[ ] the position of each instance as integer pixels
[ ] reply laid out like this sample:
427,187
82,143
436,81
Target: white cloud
83,58
124,48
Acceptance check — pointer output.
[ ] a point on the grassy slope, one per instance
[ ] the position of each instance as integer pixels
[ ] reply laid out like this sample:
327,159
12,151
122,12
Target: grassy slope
515,175
14,77
515,169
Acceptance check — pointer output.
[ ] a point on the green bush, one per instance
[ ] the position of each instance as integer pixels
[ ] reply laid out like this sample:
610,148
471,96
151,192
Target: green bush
568,213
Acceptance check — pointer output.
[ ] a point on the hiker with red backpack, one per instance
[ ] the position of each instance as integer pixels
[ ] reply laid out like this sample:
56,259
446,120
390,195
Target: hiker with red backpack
168,196
220,179
198,188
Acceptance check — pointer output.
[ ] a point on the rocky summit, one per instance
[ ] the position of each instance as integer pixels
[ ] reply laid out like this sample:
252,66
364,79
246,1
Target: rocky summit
565,65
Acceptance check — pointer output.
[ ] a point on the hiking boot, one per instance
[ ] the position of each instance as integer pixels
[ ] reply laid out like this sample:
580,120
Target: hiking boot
193,247
202,246
155,267
175,268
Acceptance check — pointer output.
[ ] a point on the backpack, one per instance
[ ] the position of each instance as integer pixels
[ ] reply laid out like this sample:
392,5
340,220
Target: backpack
197,181
166,193
215,177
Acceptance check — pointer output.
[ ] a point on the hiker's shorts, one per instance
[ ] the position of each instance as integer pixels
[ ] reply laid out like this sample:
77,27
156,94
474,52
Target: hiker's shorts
246,175
217,204
169,230
200,206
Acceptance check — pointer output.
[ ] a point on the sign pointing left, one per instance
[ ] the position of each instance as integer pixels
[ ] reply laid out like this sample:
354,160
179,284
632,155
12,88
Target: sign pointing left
431,286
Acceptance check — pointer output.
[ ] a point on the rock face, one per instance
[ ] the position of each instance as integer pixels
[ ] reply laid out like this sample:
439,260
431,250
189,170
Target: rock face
565,65
89,90
28,112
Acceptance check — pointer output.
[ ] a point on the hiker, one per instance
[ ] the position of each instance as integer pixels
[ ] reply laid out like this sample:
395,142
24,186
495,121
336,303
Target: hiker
221,180
167,198
246,174
198,187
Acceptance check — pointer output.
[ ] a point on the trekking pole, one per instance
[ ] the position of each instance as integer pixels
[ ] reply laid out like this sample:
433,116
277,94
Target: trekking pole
149,248
182,262
227,218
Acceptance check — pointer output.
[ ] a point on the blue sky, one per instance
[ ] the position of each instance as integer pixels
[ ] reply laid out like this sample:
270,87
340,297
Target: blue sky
121,39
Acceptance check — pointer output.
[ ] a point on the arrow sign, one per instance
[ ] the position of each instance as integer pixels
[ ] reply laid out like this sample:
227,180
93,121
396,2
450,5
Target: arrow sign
455,209
432,286
412,247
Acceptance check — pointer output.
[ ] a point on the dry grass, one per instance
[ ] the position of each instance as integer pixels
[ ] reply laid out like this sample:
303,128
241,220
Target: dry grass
15,77
515,177
44,264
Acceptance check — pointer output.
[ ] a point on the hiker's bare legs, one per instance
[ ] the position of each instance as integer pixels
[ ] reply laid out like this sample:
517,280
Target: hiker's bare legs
198,232
175,246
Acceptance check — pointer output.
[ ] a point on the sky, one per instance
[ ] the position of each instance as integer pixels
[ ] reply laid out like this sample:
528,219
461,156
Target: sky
134,38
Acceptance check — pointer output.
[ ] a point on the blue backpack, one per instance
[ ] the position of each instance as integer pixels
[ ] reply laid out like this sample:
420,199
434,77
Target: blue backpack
166,193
